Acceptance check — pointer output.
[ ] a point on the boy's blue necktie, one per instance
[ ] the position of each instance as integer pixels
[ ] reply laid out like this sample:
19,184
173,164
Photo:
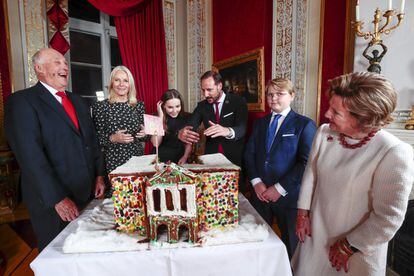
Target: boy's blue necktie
271,132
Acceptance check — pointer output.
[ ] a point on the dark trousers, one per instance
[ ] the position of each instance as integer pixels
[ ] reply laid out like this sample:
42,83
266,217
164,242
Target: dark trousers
285,219
46,224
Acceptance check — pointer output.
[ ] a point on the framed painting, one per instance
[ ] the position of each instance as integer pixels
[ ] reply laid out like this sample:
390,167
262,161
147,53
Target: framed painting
244,75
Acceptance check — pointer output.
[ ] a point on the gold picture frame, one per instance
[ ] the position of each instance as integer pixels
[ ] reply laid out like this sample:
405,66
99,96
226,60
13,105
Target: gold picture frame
244,75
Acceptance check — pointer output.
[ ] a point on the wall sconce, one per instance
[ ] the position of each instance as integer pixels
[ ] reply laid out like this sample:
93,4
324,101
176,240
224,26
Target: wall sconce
378,31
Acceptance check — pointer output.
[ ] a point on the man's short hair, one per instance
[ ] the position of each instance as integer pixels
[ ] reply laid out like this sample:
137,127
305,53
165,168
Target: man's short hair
212,74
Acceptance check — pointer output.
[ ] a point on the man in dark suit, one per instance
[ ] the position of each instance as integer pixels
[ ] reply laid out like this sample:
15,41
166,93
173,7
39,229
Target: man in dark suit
224,116
52,136
276,156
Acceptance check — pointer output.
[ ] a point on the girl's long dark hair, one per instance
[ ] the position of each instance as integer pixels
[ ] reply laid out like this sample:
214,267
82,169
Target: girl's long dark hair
168,95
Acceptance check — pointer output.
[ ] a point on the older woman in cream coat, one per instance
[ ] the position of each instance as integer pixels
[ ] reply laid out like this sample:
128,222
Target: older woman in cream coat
356,185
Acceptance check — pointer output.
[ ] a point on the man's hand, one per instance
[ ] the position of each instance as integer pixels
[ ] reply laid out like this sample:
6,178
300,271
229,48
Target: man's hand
216,130
259,189
271,194
67,209
188,136
99,187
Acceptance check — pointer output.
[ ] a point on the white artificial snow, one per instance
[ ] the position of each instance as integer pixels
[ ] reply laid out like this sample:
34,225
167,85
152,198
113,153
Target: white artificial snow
96,232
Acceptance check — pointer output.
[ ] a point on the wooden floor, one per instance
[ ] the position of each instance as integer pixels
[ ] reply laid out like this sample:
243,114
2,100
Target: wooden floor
17,242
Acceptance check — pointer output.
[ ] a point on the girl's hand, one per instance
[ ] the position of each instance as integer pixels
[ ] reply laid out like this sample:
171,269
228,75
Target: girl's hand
159,109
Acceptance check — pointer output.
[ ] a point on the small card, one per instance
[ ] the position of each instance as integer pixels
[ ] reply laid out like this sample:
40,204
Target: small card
153,125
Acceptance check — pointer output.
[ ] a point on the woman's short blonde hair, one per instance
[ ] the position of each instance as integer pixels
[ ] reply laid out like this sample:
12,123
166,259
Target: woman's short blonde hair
369,97
281,83
132,94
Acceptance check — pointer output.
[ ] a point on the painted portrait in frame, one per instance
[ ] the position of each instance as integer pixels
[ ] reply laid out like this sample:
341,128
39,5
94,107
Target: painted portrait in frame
244,75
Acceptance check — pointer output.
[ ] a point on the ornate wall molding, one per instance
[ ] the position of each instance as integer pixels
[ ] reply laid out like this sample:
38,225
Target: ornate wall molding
289,45
170,26
33,33
196,48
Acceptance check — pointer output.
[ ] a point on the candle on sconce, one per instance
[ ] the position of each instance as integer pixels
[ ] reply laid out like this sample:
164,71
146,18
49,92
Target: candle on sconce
389,5
402,6
357,18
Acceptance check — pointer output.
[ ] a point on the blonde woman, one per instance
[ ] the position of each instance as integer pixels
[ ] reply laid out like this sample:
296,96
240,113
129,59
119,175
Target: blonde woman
119,120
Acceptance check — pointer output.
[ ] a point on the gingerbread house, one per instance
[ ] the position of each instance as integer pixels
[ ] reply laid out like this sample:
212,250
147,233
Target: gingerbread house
171,202
136,184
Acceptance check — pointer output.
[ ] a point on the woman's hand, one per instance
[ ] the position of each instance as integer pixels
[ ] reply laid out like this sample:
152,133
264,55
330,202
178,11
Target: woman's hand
339,254
159,109
121,137
141,132
303,226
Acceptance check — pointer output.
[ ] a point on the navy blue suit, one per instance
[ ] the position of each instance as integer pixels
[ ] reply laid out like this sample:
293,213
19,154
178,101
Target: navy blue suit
286,164
56,160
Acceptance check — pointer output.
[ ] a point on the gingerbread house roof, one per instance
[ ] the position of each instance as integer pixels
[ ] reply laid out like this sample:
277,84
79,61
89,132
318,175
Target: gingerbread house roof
172,174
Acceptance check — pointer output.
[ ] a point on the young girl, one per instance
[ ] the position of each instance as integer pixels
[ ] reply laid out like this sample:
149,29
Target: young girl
170,108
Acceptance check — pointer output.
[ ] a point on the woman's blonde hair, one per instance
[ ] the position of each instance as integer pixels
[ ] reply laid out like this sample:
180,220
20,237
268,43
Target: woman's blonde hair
281,83
369,97
132,94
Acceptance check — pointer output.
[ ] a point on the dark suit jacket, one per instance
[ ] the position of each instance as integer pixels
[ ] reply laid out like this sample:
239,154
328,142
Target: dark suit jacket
288,155
233,114
56,160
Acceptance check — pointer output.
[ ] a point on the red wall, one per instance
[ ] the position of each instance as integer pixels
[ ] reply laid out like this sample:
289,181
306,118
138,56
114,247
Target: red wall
240,26
243,25
333,48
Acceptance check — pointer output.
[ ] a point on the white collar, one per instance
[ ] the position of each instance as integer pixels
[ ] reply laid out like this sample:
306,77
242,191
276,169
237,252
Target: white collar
49,88
284,113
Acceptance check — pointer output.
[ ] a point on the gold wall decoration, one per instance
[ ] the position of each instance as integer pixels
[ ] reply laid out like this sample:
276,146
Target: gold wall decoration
34,27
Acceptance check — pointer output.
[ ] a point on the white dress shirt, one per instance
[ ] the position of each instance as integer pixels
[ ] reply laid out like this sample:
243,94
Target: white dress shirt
220,107
52,91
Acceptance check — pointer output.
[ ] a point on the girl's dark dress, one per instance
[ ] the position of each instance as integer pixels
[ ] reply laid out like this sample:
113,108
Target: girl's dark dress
171,148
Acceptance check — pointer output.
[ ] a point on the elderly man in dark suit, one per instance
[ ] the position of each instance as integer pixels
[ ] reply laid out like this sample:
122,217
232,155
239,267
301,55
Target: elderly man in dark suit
52,136
224,116
276,156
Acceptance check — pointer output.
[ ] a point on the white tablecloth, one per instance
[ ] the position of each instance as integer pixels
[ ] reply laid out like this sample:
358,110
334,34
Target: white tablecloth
257,258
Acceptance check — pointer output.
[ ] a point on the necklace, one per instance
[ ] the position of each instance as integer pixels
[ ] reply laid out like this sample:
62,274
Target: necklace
362,142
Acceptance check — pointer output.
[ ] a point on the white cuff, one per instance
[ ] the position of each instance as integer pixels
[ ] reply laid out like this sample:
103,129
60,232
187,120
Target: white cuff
255,181
232,134
280,189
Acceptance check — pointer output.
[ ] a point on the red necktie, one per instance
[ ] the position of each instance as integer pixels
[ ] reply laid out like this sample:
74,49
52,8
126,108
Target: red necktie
68,106
217,113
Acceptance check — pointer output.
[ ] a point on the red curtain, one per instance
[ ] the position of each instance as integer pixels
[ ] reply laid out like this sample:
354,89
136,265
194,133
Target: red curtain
333,49
230,40
140,28
119,7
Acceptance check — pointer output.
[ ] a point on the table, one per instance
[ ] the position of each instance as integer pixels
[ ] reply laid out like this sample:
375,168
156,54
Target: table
264,258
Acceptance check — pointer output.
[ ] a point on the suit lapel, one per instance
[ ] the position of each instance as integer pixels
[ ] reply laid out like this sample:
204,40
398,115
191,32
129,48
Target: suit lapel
48,98
266,125
226,107
291,115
